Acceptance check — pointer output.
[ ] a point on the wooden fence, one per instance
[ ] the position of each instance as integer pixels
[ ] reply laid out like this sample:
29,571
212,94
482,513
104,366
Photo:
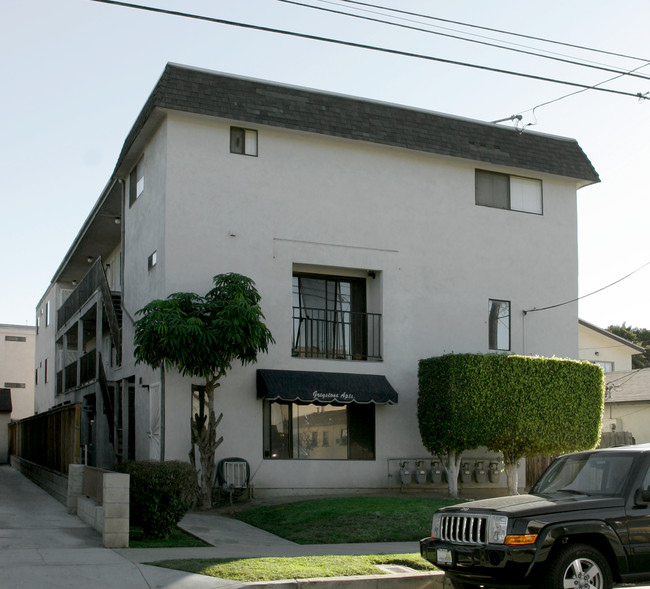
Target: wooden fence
49,439
535,466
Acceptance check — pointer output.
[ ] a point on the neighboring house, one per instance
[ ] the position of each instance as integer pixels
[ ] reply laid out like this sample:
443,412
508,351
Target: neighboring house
627,403
17,367
611,352
376,234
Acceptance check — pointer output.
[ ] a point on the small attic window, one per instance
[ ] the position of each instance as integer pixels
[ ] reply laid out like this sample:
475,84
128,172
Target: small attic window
243,141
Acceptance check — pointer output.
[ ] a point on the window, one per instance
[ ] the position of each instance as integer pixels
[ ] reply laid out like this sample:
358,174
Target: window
502,191
243,141
15,338
152,260
499,325
47,313
292,431
606,366
45,371
136,182
330,319
36,376
14,385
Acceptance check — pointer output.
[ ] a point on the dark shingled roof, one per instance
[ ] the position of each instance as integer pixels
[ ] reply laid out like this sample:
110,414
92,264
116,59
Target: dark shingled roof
5,401
258,102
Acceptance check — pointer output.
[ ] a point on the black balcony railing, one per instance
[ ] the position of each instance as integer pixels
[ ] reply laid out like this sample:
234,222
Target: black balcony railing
95,279
88,364
87,373
340,335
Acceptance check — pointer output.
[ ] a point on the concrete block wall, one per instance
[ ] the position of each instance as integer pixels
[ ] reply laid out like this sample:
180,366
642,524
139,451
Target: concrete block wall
54,483
115,530
111,518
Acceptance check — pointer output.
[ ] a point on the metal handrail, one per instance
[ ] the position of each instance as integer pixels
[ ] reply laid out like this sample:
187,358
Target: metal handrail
336,334
95,279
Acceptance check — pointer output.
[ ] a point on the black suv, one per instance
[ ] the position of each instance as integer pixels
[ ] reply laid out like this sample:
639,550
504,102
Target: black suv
585,523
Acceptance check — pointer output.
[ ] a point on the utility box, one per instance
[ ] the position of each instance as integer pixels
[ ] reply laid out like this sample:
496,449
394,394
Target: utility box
420,473
405,473
494,472
436,472
480,474
465,473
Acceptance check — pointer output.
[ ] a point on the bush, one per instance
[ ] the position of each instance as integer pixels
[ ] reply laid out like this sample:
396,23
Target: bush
161,493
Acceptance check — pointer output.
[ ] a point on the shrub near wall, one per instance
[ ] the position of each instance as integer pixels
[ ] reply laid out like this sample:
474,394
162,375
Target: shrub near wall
161,493
517,405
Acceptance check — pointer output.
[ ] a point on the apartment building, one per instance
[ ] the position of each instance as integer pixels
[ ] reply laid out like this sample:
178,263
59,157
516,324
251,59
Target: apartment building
376,235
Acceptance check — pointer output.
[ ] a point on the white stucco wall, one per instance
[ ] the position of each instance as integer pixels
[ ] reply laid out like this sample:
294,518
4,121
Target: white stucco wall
629,417
313,200
45,351
17,367
596,347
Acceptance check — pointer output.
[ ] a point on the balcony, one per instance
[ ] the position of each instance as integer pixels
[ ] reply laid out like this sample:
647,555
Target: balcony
336,335
88,373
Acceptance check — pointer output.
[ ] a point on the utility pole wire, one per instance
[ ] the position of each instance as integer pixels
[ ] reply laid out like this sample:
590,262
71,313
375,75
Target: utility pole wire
589,294
460,38
492,30
361,46
640,96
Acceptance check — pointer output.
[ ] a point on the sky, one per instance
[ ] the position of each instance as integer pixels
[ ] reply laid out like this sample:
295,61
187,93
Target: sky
75,74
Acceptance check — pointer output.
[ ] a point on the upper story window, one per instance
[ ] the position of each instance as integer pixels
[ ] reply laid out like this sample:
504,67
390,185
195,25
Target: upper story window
136,182
243,141
499,325
15,338
502,191
330,319
152,260
47,313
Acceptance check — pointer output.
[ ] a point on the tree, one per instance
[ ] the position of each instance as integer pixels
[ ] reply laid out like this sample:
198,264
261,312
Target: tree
201,337
450,415
515,405
542,406
638,336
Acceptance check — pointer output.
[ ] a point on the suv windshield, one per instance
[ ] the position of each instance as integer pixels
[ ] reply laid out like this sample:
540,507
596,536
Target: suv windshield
591,474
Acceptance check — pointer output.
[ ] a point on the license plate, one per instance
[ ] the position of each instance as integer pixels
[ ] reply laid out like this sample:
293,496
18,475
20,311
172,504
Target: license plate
443,556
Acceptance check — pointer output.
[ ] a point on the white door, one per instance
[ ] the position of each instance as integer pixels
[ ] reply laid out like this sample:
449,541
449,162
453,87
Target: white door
154,421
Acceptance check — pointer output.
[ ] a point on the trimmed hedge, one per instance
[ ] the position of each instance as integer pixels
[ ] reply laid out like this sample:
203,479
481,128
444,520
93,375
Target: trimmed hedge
516,405
161,493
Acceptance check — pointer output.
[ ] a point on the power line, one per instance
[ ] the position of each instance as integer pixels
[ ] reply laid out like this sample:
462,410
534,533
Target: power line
591,65
361,46
589,294
518,116
500,31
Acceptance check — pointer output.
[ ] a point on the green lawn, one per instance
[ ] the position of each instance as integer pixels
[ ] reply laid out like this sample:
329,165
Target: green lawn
347,519
327,521
272,569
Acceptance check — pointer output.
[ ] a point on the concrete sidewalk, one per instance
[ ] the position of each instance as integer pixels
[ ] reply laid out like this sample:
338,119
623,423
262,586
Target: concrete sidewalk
42,546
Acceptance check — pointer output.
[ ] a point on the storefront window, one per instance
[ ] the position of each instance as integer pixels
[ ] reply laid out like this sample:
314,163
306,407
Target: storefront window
319,432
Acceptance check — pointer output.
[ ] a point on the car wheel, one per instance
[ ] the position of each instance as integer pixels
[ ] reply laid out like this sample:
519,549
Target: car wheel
577,566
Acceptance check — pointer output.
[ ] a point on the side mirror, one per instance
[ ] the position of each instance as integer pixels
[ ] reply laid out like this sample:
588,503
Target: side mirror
642,497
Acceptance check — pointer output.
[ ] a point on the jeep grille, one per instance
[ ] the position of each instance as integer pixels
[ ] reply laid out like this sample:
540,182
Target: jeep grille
464,529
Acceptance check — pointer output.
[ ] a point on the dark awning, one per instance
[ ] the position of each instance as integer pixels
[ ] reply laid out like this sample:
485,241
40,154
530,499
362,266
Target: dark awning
324,387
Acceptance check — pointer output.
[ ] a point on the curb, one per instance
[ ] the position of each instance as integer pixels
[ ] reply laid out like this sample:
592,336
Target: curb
433,580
